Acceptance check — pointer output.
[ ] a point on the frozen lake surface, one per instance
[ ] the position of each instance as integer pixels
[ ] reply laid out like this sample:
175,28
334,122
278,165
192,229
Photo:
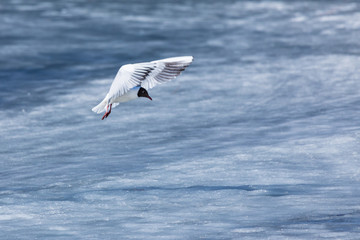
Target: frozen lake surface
258,139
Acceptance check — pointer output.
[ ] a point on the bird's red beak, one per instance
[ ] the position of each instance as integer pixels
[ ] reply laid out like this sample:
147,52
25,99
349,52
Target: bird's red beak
149,97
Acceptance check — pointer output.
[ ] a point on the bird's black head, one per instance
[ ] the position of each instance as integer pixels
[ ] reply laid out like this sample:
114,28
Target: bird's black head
143,93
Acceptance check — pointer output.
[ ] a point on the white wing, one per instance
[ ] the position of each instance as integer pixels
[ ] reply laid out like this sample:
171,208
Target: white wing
147,75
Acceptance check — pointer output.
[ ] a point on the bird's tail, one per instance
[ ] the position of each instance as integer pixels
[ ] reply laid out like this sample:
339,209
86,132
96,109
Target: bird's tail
101,107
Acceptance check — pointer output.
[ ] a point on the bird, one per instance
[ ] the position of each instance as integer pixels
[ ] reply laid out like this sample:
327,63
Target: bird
133,81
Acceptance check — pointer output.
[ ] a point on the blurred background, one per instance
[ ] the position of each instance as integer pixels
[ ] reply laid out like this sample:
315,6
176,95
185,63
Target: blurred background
257,139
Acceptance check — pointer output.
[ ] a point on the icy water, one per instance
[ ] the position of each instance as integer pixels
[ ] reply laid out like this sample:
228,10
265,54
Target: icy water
257,139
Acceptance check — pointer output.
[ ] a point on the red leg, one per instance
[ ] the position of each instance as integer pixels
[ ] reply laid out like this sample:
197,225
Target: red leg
107,113
110,110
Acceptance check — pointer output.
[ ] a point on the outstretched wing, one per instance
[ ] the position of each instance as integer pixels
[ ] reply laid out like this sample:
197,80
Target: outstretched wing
147,75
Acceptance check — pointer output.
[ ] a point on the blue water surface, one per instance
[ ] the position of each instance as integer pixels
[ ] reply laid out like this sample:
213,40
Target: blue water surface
258,139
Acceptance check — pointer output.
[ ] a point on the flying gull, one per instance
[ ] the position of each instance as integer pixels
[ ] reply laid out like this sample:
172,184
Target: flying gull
133,80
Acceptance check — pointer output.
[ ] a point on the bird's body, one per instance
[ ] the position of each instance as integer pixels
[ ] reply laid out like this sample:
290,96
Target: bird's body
133,80
128,96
